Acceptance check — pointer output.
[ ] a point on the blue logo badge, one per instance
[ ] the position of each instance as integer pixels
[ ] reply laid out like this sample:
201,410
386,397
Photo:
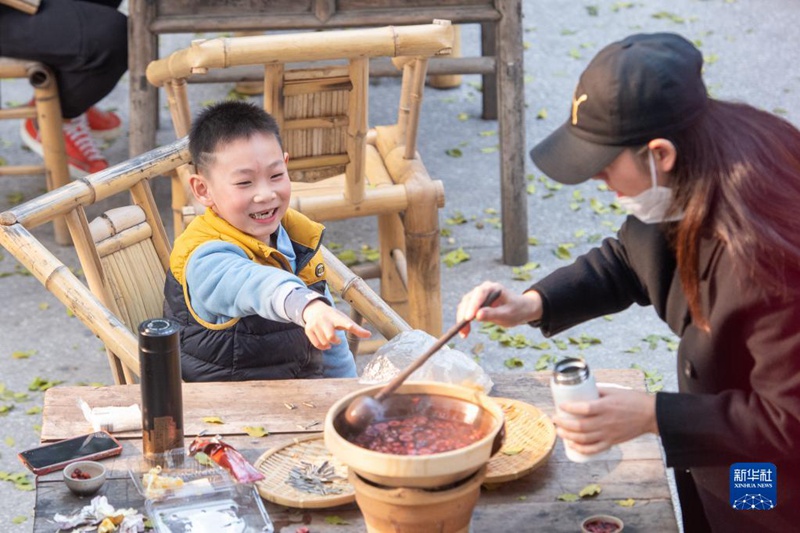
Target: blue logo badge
753,486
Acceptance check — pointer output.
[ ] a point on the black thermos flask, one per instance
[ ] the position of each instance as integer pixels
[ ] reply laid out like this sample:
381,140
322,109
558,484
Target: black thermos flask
162,400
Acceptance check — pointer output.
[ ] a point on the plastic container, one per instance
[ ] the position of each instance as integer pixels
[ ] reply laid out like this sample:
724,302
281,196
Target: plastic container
183,495
237,508
175,475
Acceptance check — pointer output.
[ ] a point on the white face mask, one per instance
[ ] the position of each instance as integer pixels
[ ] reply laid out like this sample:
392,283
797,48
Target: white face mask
650,206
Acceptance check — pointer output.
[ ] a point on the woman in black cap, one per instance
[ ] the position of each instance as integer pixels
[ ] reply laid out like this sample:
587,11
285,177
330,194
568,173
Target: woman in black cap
713,244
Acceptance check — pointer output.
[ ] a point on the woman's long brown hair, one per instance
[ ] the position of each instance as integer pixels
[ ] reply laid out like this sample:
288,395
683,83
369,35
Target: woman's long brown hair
737,178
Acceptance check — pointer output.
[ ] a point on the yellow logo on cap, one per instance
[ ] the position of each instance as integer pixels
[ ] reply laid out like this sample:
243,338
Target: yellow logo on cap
576,102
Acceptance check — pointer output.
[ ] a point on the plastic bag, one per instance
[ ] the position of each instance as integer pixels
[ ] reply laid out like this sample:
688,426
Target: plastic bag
447,365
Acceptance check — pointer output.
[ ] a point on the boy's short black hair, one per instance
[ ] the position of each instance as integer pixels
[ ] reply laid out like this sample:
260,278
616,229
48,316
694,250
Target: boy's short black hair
224,122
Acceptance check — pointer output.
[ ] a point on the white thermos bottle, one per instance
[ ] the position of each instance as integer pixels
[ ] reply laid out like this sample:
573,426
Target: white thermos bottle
572,382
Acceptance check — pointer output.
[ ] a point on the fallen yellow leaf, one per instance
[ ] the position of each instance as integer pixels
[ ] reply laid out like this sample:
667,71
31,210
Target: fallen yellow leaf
256,431
591,489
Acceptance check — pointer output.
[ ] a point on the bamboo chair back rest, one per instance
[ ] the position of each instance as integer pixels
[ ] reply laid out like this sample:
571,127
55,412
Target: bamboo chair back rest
311,107
322,110
133,272
94,302
341,169
46,109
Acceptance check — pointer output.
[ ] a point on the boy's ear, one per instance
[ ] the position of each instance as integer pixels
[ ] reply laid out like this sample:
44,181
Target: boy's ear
286,158
200,190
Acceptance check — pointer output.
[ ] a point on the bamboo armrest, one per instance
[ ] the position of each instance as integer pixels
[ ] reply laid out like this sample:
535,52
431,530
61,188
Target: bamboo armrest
354,290
15,68
98,186
26,6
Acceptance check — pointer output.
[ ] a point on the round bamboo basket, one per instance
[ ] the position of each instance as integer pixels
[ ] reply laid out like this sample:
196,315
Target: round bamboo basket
530,439
276,465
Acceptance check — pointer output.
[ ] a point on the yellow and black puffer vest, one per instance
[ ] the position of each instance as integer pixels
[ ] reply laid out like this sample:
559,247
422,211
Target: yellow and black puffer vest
250,347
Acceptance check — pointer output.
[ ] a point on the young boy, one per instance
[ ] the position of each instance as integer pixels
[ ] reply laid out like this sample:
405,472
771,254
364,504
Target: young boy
247,281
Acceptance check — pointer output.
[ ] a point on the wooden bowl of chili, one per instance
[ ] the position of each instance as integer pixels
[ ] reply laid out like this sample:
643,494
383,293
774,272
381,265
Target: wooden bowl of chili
430,435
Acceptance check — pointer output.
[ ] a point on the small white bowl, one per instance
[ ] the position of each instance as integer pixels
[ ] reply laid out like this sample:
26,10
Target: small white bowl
90,485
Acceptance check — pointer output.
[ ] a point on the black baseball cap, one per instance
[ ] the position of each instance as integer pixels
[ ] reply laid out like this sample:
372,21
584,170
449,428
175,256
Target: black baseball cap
641,88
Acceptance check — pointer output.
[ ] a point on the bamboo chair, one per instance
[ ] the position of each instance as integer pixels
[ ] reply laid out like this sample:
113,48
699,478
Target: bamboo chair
124,254
47,110
339,167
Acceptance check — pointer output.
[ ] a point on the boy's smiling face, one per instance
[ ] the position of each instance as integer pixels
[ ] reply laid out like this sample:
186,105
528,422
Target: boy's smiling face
247,184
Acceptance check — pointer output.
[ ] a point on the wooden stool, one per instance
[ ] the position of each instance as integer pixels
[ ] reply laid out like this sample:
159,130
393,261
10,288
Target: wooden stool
47,110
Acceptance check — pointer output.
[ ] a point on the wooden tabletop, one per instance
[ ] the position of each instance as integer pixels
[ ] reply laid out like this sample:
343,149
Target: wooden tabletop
632,470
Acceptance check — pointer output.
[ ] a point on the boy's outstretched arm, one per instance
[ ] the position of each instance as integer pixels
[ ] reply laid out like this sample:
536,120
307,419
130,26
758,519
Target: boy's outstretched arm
322,321
224,284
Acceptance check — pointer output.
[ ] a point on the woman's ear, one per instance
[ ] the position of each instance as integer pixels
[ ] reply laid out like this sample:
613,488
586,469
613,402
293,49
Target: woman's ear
664,153
200,190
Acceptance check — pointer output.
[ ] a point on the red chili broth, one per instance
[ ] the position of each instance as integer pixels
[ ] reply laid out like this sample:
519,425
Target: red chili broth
601,526
417,435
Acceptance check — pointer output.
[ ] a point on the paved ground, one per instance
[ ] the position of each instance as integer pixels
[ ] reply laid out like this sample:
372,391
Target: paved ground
749,48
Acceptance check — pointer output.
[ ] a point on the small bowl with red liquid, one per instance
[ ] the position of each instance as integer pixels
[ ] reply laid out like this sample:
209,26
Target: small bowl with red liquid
601,523
430,435
84,478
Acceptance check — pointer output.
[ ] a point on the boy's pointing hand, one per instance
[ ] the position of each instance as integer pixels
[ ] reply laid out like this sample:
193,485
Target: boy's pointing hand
322,321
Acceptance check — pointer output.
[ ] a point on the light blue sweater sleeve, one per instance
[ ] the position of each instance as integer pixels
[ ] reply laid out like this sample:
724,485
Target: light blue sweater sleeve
224,283
338,361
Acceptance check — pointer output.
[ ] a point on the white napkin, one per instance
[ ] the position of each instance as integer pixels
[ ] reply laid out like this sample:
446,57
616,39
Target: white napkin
112,419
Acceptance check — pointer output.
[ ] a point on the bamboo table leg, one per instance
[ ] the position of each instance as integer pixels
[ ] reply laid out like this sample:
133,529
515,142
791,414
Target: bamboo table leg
48,109
511,123
489,81
143,96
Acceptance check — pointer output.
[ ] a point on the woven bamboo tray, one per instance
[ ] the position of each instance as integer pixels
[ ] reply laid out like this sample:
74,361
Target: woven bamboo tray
530,439
277,463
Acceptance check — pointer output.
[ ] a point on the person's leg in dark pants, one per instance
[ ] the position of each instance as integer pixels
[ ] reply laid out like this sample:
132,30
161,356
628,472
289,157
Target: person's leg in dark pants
85,43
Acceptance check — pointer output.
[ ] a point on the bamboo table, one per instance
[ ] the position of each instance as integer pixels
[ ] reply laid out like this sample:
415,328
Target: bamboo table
501,66
635,469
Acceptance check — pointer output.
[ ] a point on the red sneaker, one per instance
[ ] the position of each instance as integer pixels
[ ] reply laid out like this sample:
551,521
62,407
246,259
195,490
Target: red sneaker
83,155
104,125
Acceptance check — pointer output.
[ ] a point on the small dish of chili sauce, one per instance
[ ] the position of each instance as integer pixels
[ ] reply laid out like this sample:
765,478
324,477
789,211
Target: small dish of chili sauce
601,524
